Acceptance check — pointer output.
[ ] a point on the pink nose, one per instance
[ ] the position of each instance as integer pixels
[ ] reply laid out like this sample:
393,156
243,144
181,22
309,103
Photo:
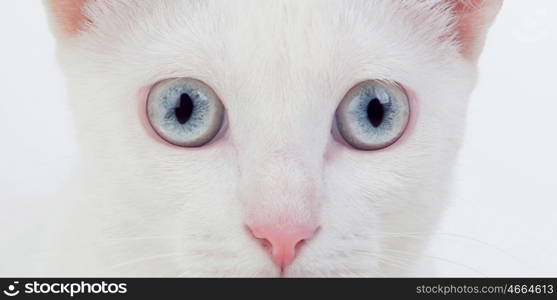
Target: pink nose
282,244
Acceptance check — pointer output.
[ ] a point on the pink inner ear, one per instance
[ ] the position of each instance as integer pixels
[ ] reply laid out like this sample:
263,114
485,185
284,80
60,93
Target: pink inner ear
474,17
467,12
69,14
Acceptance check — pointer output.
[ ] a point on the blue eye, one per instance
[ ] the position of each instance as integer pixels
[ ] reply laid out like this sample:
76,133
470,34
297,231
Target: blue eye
185,112
373,115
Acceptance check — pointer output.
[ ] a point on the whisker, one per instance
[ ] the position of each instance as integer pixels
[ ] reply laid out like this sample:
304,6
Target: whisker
446,260
58,252
425,236
387,260
144,259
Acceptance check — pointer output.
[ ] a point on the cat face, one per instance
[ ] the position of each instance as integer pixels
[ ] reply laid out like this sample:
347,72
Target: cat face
326,130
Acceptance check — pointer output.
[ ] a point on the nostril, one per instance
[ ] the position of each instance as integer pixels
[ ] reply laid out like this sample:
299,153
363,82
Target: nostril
265,243
300,244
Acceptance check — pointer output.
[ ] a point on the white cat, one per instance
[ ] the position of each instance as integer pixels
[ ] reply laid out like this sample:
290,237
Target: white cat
260,138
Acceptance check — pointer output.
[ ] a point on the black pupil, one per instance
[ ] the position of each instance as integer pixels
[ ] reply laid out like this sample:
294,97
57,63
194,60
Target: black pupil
375,112
184,109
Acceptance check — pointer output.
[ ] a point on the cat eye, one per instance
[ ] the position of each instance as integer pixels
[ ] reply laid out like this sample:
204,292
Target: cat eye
373,115
185,112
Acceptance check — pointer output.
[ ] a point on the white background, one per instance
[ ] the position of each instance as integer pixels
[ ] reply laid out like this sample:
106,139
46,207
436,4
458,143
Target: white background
503,216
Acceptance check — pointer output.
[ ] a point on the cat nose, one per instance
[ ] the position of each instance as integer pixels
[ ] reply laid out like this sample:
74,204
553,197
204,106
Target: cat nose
282,244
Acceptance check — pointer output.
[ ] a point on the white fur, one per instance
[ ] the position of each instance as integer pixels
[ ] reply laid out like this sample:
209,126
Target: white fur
139,207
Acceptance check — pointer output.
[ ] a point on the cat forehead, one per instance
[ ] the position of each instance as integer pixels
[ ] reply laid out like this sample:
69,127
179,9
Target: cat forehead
279,12
287,29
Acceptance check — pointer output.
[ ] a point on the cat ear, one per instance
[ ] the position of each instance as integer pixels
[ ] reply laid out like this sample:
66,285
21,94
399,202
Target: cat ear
473,19
67,15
